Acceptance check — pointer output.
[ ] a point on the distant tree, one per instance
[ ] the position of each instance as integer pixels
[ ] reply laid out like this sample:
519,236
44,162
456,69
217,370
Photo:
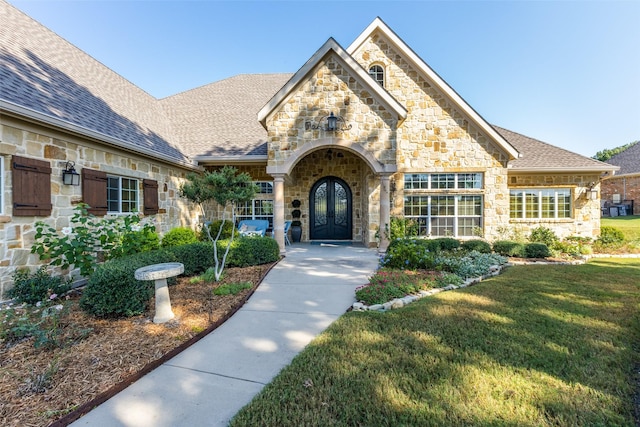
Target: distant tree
226,187
607,153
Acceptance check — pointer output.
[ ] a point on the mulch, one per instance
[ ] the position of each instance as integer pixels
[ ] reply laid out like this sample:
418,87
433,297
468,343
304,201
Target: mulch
114,354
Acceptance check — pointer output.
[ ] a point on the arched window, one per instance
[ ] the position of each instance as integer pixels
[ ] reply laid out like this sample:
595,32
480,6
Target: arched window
377,72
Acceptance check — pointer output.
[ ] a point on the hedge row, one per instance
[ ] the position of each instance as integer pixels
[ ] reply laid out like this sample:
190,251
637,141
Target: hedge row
113,291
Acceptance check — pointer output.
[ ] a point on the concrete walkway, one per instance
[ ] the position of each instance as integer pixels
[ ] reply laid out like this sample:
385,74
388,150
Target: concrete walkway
210,381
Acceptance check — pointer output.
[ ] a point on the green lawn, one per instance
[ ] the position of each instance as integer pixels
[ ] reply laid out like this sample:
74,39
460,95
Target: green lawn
629,225
535,346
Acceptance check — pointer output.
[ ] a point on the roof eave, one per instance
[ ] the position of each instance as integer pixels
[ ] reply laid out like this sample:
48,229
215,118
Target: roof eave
238,160
586,169
430,74
37,117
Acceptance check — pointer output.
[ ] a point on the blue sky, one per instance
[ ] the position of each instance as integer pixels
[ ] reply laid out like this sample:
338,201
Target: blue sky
565,72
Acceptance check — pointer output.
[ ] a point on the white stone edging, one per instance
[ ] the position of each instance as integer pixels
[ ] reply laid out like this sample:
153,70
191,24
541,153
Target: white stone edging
408,299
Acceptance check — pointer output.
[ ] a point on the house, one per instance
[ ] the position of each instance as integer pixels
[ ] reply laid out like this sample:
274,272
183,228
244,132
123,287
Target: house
623,188
356,135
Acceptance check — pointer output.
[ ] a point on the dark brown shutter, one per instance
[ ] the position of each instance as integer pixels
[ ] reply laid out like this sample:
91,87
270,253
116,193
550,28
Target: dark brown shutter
94,191
31,187
150,188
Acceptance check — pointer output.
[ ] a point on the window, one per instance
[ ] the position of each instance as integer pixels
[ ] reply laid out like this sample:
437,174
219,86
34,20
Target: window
442,181
259,208
440,215
546,203
377,72
31,182
122,194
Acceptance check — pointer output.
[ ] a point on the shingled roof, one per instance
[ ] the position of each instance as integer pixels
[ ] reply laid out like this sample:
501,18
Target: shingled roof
46,79
628,160
538,156
221,118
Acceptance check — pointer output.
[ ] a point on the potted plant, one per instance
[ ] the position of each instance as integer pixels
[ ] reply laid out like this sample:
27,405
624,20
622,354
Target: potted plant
296,224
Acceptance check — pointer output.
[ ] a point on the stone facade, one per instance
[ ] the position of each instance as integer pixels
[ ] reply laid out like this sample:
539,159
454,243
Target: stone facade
22,139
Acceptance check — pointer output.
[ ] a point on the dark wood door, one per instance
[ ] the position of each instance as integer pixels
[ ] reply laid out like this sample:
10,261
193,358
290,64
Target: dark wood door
330,214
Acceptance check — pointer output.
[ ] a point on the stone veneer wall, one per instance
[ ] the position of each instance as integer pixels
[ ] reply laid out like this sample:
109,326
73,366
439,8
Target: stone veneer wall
586,219
17,233
628,187
436,136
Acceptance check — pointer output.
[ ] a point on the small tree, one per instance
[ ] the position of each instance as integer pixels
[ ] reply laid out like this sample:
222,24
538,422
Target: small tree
227,188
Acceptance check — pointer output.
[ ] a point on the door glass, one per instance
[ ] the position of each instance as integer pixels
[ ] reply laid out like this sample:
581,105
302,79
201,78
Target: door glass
341,204
320,205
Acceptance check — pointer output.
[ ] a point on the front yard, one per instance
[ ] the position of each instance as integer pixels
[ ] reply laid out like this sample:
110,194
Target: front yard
535,346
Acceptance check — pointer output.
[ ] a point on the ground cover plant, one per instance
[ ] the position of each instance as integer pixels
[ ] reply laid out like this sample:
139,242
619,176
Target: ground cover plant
530,347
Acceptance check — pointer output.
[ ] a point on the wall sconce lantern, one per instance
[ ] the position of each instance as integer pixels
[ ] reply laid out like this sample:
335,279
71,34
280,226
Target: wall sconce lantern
592,192
69,175
330,123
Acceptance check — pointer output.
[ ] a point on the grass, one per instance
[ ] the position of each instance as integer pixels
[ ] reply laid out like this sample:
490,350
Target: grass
629,225
535,346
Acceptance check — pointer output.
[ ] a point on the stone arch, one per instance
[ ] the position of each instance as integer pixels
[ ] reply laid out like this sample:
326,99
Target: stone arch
353,147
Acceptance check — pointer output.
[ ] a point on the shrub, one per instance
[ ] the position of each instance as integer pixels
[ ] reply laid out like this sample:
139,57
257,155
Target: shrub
543,235
508,248
536,250
447,243
610,236
197,257
134,242
251,250
471,264
476,245
36,287
403,227
214,227
179,236
113,291
410,254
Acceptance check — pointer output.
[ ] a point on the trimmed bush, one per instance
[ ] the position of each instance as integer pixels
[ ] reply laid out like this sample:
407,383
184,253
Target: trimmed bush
214,227
543,235
410,254
179,236
251,250
536,250
113,291
509,248
476,245
447,243
610,236
32,288
197,257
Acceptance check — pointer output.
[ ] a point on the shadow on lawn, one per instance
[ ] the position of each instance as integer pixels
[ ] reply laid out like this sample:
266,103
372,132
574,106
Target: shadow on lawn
549,345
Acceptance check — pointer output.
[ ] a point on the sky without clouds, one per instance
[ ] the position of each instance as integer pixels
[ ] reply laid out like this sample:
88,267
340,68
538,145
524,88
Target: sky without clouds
564,72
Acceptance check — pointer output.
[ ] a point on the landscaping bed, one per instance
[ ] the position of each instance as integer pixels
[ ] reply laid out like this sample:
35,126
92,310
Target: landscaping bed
40,385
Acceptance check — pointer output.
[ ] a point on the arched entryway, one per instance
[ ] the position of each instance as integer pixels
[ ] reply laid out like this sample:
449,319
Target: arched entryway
330,210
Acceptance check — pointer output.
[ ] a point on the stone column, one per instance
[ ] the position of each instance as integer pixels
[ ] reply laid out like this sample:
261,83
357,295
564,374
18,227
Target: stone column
278,211
385,210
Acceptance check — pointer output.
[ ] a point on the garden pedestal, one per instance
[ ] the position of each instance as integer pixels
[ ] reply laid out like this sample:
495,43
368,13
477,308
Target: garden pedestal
159,273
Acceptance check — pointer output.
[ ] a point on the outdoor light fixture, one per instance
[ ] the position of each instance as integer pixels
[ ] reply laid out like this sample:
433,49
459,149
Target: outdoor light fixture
330,123
69,175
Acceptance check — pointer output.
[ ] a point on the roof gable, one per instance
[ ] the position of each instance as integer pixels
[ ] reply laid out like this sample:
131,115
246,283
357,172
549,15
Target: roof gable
318,58
433,78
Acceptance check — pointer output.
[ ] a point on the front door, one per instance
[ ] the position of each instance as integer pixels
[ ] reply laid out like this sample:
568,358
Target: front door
330,210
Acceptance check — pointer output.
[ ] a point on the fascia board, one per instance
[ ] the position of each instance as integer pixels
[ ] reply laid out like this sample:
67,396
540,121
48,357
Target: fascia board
586,169
46,120
433,77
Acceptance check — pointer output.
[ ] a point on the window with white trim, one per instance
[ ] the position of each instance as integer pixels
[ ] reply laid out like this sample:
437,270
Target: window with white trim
428,201
122,194
548,203
261,207
377,72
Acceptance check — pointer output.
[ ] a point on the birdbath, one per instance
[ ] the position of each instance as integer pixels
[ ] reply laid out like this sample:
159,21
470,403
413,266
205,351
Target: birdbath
159,273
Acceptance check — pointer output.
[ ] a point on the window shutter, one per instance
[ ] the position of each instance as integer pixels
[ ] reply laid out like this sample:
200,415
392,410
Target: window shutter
31,188
150,188
94,191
